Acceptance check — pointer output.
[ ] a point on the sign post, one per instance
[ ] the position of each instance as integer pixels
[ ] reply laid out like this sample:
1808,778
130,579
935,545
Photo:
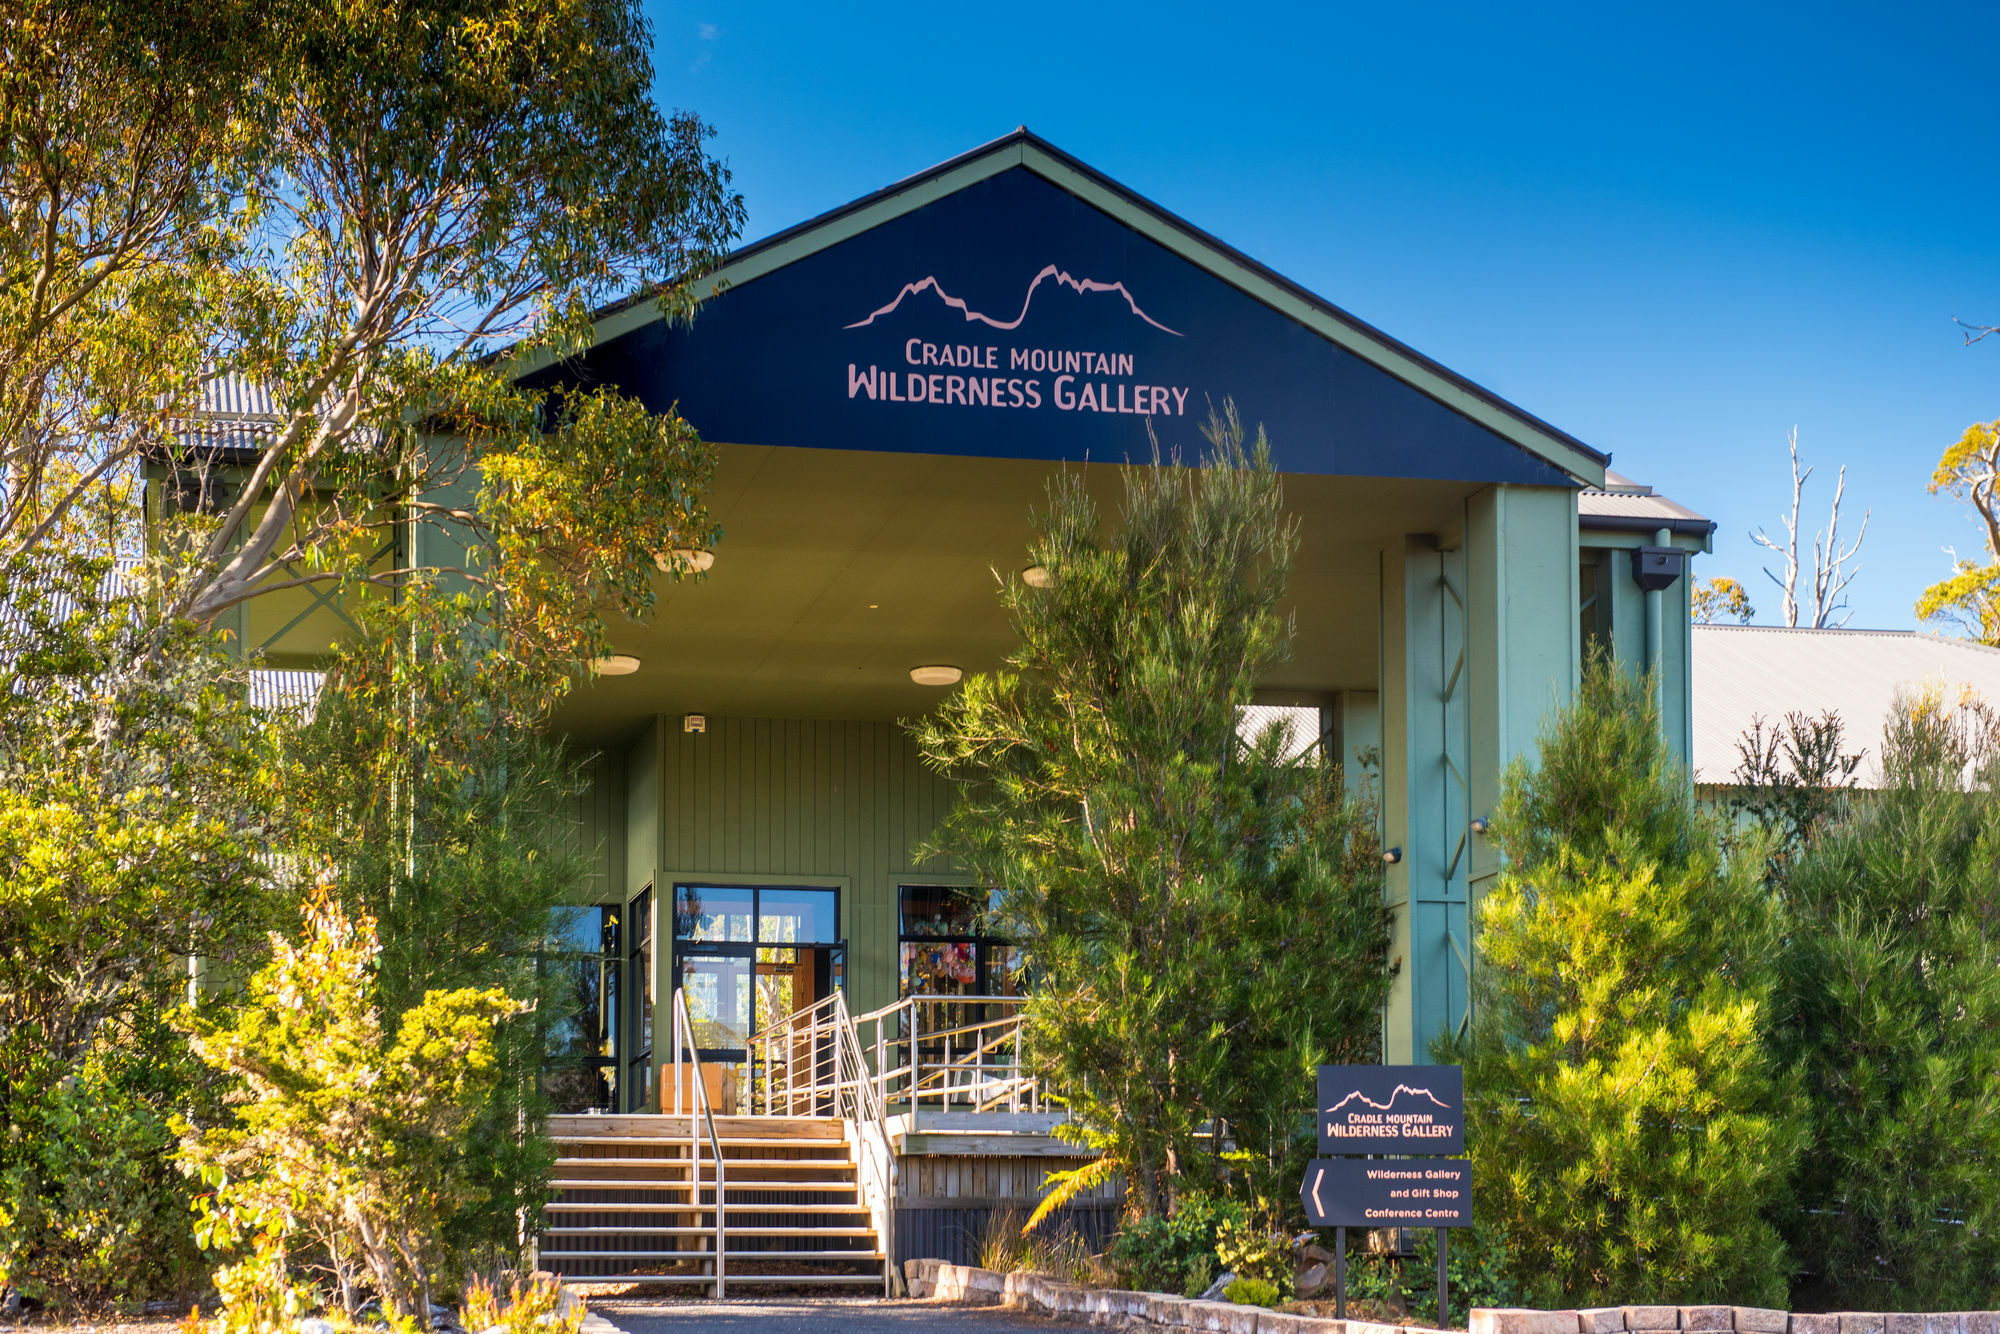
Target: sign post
1389,1110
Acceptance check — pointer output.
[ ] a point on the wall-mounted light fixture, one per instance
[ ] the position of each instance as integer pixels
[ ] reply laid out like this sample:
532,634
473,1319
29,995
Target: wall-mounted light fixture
1479,825
1392,855
936,674
618,664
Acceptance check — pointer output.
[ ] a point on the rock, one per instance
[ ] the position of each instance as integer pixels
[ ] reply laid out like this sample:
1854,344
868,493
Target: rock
1314,1254
1705,1317
1862,1322
1758,1320
1513,1320
10,1303
1652,1317
1311,1280
443,1317
1815,1324
1213,1292
313,1325
1604,1320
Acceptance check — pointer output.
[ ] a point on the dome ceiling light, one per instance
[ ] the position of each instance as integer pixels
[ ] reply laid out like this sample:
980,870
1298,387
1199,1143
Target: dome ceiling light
687,559
618,664
936,674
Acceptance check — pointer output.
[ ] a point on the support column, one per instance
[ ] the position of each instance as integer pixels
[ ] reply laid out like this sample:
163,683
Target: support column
1525,636
1424,745
1479,641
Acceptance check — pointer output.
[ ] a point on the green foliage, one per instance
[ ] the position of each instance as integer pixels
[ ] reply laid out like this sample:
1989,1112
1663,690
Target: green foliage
1252,1292
1891,988
533,1307
134,809
1252,1247
1791,780
351,1140
1479,1265
419,795
353,207
92,1212
1720,598
1629,1126
1203,917
1970,597
1158,1253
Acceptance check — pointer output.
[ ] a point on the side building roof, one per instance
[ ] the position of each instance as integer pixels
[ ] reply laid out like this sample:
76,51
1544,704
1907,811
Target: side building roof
1743,672
1623,505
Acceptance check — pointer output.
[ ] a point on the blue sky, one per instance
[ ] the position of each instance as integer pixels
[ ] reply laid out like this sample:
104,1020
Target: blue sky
1674,231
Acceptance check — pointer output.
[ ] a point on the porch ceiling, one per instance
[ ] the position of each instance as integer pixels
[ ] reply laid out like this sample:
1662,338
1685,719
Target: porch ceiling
841,570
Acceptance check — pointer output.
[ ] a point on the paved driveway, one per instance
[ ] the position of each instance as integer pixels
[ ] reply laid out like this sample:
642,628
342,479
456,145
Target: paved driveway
807,1315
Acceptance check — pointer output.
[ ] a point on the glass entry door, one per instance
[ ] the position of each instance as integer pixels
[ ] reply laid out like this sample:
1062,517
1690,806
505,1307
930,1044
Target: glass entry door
747,956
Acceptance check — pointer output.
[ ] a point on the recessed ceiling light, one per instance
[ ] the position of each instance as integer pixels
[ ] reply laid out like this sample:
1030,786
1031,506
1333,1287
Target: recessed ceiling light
1037,576
684,558
936,674
618,664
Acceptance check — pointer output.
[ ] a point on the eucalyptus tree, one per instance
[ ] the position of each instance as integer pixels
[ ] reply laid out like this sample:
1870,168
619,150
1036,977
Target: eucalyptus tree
372,215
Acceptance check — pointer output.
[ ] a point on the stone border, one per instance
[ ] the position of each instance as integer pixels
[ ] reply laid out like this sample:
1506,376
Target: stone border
1022,1290
1099,1306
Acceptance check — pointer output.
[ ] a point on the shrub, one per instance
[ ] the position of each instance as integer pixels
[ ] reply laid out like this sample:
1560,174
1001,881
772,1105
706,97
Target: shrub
1629,1125
92,1212
538,1306
1177,1252
1203,914
1251,1292
1479,1265
1253,1247
1891,986
352,1141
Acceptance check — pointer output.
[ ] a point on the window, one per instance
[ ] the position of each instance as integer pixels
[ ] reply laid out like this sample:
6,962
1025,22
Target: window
945,949
580,1052
639,986
1593,586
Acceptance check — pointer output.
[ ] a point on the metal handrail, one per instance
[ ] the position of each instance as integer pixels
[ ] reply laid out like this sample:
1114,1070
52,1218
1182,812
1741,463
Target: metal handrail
976,1069
684,1042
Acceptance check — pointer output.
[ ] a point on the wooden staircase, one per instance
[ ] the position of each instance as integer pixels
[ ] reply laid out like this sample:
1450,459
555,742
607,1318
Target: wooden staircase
635,1201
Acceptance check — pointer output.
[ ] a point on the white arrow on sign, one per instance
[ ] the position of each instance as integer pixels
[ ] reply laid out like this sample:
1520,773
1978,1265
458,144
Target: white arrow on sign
1318,1176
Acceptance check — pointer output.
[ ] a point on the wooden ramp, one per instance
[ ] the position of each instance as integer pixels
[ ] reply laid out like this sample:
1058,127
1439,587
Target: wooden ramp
637,1201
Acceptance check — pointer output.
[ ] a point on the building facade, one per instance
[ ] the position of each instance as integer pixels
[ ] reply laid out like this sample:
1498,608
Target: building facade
891,387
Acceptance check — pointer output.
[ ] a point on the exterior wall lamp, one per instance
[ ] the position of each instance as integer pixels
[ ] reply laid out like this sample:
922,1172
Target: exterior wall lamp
1392,855
1479,825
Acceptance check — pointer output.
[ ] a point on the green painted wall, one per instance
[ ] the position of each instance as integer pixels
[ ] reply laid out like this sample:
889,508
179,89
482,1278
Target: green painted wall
786,801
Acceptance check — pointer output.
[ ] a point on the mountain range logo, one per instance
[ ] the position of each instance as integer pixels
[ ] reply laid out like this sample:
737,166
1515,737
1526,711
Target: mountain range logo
1081,286
1399,1091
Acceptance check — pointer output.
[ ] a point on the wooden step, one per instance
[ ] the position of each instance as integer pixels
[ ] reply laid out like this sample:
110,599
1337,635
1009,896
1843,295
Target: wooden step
788,1256
709,1231
874,1280
703,1206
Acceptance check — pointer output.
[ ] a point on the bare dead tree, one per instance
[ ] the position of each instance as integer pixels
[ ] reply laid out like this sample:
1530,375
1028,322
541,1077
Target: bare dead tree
1830,575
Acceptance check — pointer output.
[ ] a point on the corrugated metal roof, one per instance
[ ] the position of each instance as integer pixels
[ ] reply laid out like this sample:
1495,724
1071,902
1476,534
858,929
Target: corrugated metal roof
1625,503
1742,672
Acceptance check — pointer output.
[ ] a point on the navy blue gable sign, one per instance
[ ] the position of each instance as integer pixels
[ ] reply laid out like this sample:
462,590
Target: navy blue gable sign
1010,319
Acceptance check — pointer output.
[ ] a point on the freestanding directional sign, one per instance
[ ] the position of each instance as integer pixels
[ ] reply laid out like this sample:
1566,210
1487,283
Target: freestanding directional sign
1388,1192
1386,1110
1391,1109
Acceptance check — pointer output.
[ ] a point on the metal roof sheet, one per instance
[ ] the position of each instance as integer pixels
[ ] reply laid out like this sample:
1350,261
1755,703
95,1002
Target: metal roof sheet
1741,672
1624,503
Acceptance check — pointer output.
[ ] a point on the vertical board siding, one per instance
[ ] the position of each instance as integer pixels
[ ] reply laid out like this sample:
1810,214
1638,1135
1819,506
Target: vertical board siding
796,800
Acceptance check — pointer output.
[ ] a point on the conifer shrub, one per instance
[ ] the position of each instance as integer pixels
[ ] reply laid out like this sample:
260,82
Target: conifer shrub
1202,912
1629,1125
1891,992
